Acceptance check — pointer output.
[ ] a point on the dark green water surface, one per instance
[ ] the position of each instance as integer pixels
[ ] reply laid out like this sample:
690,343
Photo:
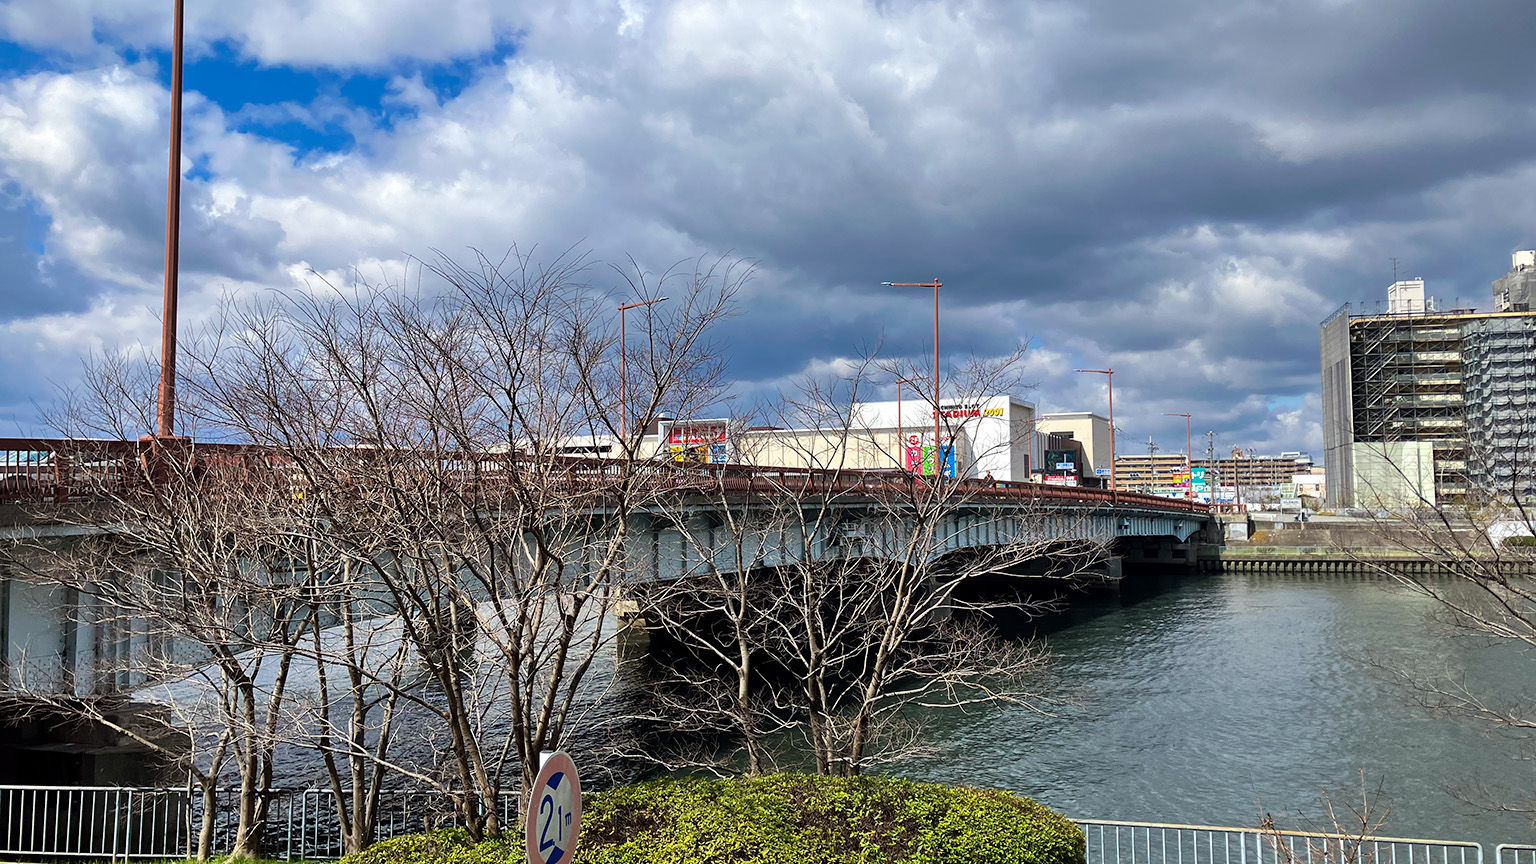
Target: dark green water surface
1212,700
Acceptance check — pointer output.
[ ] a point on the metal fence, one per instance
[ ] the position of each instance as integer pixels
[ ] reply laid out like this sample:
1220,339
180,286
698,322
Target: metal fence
1147,843
1515,853
109,822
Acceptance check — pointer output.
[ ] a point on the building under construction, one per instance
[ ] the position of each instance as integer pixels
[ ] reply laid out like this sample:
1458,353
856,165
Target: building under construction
1423,405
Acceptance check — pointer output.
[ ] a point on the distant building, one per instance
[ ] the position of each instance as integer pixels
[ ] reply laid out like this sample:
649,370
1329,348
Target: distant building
1423,405
1165,474
1091,434
1258,477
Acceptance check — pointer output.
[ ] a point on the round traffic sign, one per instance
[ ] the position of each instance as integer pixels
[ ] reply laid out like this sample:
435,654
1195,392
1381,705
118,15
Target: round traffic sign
554,811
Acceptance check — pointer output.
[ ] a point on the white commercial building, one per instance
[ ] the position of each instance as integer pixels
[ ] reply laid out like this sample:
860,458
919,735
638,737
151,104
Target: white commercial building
992,435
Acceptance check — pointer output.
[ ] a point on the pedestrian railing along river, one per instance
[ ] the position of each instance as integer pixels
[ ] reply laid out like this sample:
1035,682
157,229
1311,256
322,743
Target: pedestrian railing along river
114,822
1515,853
1150,843
109,822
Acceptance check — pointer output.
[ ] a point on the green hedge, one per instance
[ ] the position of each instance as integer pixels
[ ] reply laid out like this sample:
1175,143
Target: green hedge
782,819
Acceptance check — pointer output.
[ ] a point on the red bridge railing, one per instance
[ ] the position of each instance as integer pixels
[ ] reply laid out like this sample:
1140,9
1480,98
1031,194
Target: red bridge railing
52,470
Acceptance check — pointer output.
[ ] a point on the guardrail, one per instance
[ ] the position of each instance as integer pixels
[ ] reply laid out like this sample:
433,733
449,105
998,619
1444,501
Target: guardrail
1111,842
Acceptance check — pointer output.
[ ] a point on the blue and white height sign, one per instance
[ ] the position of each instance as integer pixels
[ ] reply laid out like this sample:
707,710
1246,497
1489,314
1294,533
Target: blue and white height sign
554,811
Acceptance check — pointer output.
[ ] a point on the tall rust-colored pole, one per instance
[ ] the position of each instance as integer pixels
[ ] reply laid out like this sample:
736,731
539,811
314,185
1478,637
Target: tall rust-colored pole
624,367
1114,489
938,447
165,414
935,285
1189,457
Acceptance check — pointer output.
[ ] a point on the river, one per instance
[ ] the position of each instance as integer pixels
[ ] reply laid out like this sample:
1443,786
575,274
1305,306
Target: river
1212,700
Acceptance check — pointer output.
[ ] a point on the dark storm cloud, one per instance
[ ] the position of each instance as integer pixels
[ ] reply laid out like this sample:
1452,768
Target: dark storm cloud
1180,189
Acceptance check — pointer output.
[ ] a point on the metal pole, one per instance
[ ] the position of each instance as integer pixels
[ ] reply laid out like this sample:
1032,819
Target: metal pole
1110,374
1189,456
1114,487
623,380
938,451
935,285
166,413
624,366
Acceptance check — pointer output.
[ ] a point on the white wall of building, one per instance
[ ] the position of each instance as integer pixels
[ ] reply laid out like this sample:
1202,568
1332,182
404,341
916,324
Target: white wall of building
994,433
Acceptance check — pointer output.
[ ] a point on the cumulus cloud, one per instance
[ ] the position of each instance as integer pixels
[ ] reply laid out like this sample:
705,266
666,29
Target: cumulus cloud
1181,190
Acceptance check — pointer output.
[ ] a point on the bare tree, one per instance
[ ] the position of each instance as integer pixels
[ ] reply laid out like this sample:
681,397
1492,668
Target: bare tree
192,566
1475,559
430,441
1349,832
847,582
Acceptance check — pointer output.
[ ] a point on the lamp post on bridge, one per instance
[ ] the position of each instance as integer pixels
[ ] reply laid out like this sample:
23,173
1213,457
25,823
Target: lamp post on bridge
1189,460
1114,490
935,285
624,368
165,409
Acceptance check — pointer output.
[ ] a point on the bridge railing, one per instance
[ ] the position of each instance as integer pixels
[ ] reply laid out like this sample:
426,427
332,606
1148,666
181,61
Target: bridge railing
1111,842
47,470
53,470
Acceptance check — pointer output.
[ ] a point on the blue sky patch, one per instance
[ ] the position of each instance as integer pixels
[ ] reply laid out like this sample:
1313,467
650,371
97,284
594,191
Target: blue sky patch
326,108
16,60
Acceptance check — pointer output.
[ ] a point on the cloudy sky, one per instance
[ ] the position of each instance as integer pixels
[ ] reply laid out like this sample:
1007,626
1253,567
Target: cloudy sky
1180,189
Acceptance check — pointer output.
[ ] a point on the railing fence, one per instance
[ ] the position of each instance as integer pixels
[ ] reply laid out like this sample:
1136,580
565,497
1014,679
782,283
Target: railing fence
109,822
1149,843
1514,853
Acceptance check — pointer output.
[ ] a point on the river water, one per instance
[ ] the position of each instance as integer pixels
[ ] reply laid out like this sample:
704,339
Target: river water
1212,700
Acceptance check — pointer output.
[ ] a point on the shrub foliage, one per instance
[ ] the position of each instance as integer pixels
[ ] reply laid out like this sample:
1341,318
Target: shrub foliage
782,819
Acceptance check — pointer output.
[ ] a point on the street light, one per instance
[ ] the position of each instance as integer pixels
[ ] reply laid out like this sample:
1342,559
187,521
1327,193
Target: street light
1114,492
935,285
165,413
1189,463
624,367
901,443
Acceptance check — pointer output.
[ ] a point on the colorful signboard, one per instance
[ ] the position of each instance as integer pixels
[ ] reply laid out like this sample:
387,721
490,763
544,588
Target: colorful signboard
1061,479
700,441
918,455
1197,478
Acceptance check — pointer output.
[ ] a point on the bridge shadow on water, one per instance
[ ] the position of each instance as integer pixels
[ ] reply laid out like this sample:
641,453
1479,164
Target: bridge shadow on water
1037,608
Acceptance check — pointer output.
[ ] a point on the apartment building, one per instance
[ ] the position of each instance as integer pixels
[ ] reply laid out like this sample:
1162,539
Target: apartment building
1423,405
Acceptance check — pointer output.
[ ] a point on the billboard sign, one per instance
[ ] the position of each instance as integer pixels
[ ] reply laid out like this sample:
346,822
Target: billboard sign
1061,462
917,455
700,441
1061,479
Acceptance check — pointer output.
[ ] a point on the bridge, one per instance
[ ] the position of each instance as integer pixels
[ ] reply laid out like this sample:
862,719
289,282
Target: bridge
856,512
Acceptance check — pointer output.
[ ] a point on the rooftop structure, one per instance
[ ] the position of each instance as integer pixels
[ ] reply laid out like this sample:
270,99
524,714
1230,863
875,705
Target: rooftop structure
1516,290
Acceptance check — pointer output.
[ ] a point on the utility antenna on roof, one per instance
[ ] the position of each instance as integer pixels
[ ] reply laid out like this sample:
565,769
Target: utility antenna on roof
1394,271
